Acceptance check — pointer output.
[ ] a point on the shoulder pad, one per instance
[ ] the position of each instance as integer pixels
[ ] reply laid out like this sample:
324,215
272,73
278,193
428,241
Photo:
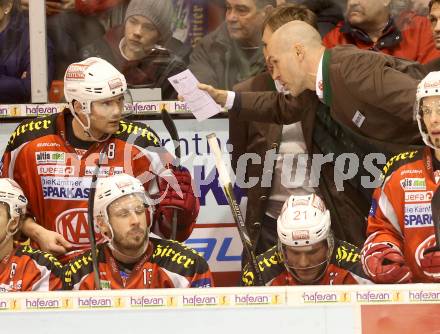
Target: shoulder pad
137,133
347,256
42,258
399,160
178,258
80,266
270,265
31,129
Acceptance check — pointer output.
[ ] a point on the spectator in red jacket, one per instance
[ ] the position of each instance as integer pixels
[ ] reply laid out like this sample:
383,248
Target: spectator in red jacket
369,25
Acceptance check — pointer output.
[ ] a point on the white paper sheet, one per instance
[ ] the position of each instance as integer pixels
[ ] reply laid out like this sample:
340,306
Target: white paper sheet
201,104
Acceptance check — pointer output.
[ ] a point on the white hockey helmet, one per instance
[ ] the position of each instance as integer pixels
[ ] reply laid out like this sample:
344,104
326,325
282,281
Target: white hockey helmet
111,188
13,196
90,80
304,221
429,86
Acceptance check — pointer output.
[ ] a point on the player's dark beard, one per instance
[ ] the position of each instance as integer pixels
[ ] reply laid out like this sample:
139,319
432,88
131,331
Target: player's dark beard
123,242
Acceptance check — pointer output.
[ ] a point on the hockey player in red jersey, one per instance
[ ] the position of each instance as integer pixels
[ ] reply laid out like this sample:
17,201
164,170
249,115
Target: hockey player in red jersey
53,159
22,268
400,227
131,258
307,252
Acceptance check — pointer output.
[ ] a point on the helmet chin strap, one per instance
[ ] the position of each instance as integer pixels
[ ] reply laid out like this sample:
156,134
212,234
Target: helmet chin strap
87,127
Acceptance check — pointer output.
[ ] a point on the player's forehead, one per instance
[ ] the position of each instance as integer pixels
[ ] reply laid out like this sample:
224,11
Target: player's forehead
431,101
126,201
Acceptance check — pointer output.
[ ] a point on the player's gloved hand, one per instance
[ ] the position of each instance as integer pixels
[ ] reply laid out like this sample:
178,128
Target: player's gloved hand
176,193
384,263
430,264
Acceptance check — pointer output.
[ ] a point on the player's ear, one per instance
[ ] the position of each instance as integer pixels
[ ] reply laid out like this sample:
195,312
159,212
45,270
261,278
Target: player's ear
103,227
14,225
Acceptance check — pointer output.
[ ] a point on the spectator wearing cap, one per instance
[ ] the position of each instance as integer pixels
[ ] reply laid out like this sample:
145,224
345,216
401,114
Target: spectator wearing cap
136,48
369,25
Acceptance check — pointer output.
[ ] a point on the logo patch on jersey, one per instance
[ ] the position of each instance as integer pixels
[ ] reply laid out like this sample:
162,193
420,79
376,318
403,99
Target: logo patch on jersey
413,183
418,215
418,196
73,188
103,171
59,170
73,226
50,157
202,283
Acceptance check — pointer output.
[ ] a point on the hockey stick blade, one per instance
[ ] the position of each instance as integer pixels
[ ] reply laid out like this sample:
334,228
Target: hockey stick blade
235,208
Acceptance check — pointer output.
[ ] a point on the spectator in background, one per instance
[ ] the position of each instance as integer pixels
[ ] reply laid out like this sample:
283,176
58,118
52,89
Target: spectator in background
420,6
15,67
434,18
328,13
369,25
232,53
72,24
136,48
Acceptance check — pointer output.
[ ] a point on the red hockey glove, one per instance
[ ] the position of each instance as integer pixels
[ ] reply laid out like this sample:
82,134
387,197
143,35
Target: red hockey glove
181,197
384,263
430,264
178,196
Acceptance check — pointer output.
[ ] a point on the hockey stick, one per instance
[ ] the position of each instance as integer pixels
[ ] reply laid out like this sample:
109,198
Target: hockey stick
91,222
435,209
171,128
226,183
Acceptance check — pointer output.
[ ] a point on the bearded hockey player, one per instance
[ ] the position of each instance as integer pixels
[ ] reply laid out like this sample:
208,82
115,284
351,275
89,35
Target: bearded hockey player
131,259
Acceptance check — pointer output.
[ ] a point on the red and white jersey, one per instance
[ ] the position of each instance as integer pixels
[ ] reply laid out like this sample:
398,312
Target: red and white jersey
56,178
165,264
401,208
28,269
344,268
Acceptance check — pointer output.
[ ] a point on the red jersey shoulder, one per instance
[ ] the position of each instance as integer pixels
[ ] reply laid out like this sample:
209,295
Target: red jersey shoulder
271,266
178,258
400,160
41,258
347,257
137,133
31,129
